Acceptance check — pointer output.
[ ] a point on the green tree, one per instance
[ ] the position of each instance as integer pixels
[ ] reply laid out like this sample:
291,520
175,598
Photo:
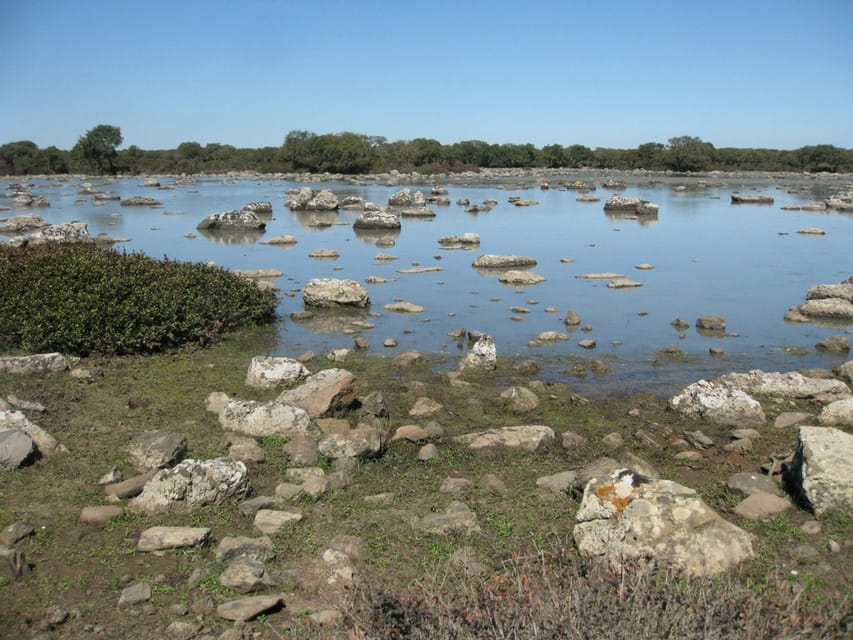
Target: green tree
97,148
554,156
19,158
650,156
688,153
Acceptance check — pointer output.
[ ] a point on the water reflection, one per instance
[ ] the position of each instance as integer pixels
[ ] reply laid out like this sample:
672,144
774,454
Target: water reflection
232,236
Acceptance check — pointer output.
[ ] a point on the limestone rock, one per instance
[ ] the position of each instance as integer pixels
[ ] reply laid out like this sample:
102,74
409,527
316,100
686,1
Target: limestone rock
192,484
264,418
38,364
268,372
244,575
162,538
236,220
822,469
378,220
792,385
457,518
491,261
516,277
521,400
719,404
483,355
47,445
760,505
331,292
16,449
156,450
323,392
361,442
711,323
624,518
135,593
527,438
839,413
243,609
270,521
746,484
67,233
260,549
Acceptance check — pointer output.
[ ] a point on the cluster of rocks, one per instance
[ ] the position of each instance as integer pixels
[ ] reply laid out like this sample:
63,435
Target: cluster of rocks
627,512
307,199
636,206
247,218
832,302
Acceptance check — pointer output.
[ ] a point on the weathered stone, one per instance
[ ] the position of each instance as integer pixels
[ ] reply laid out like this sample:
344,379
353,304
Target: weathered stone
130,487
792,419
192,484
623,518
466,240
838,344
456,486
558,483
236,220
711,323
761,504
457,518
522,278
270,521
402,306
243,609
623,283
16,449
260,549
382,219
521,400
527,438
792,385
67,233
244,575
162,538
835,308
156,450
718,403
331,292
22,224
15,532
572,319
268,372
99,514
246,450
361,442
425,408
491,261
845,371
282,240
136,593
838,413
429,452
483,355
746,484
323,392
46,444
260,419
822,469
13,563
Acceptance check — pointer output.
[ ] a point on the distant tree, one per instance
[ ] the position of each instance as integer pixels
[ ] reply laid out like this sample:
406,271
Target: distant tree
97,148
688,153
650,156
580,156
19,158
554,156
818,158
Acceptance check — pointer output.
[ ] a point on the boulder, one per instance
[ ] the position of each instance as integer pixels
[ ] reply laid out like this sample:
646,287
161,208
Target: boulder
16,449
403,198
243,609
760,504
156,450
457,518
631,204
323,392
67,233
162,538
515,277
401,306
842,290
792,385
719,404
259,419
832,308
463,241
325,200
491,261
483,355
377,220
140,201
22,224
298,200
711,323
821,471
47,445
237,220
525,438
624,517
844,371
840,201
268,372
838,413
520,400
362,442
192,484
332,292
231,547
38,364
260,208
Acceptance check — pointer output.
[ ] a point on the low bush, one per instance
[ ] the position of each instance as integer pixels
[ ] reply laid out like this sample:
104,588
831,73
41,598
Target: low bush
80,299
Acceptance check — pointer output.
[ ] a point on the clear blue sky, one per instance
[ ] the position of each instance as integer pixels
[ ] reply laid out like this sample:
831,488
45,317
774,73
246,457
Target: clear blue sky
746,73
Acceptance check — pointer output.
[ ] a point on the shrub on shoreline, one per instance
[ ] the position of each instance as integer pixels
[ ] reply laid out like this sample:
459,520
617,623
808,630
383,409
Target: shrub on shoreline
81,299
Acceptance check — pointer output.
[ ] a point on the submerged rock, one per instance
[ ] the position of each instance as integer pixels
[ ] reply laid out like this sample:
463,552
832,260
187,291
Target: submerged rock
330,292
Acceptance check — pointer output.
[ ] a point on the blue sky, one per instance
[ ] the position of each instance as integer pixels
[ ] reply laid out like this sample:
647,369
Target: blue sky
745,73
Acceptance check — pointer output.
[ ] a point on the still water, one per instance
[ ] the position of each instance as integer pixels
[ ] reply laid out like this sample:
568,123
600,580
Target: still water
746,263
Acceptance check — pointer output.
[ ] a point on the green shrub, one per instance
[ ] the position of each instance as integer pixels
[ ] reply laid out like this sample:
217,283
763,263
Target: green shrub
81,299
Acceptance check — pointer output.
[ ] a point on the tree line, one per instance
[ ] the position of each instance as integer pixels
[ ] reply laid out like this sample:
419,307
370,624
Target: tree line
97,152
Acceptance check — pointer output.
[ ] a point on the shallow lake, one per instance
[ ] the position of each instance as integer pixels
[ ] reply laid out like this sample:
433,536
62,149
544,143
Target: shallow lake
746,263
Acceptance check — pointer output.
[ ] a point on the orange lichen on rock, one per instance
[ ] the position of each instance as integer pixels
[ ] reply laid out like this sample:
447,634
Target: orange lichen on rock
607,493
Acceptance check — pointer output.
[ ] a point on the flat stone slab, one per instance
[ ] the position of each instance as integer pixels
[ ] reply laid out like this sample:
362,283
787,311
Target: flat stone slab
99,515
270,521
244,609
527,438
163,538
762,505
